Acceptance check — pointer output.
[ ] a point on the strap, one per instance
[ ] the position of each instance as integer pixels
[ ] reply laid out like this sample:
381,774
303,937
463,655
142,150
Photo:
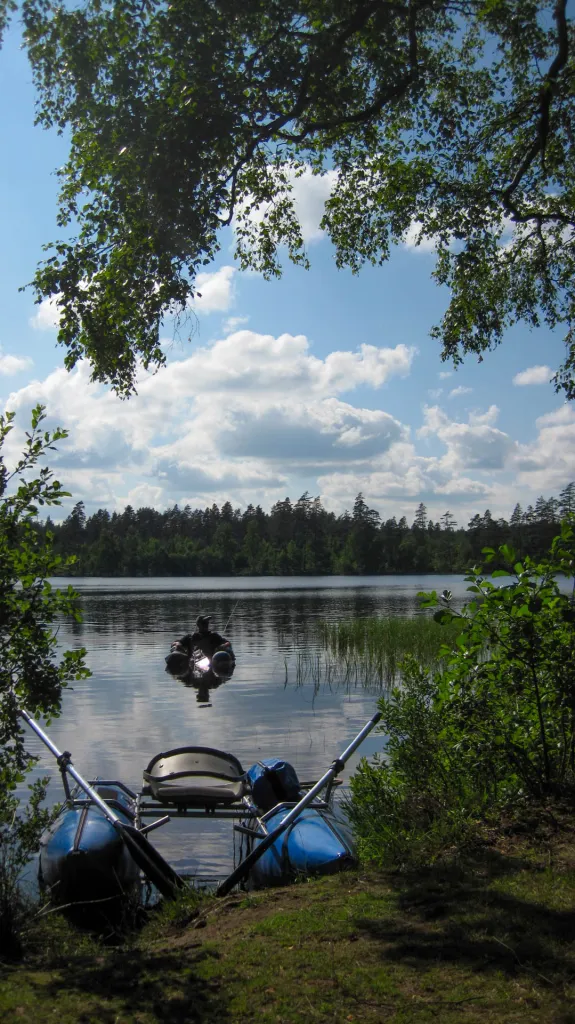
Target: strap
80,829
271,776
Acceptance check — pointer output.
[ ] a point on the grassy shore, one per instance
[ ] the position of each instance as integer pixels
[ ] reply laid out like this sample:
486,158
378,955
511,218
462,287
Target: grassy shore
487,938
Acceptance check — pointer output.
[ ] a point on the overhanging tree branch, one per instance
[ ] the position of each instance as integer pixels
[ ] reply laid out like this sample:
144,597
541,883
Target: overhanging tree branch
546,94
385,95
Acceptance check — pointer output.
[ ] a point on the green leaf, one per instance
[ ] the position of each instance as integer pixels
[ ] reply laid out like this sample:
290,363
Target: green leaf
507,552
443,616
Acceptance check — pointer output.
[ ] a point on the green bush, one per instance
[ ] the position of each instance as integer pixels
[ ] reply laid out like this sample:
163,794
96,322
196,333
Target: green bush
494,728
32,669
19,839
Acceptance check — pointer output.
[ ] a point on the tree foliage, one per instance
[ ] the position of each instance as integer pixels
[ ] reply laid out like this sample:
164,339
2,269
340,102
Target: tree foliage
32,671
453,116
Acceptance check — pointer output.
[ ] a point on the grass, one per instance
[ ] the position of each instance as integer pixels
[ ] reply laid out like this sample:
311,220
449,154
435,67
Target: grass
483,939
368,651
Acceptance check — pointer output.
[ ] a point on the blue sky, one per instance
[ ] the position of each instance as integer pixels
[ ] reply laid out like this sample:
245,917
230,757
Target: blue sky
321,381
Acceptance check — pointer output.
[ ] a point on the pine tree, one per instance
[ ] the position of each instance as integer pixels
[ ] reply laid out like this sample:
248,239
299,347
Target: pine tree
420,521
448,522
567,500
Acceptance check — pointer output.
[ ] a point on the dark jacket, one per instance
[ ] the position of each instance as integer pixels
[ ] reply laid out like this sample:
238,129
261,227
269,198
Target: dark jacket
208,643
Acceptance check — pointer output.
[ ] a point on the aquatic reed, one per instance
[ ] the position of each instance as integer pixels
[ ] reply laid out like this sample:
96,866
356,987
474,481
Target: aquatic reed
368,652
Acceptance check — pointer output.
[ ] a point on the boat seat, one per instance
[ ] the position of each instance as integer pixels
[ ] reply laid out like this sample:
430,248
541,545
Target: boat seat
196,777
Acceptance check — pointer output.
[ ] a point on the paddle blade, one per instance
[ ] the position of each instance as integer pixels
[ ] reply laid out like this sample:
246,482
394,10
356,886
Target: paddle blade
155,868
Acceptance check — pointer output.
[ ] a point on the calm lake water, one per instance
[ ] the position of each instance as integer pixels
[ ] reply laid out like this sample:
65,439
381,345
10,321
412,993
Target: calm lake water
131,709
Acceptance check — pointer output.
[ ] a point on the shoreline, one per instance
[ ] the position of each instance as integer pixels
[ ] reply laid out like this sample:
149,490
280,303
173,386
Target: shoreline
484,935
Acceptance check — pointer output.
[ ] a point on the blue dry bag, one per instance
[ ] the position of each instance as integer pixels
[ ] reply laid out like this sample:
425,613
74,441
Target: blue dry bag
273,782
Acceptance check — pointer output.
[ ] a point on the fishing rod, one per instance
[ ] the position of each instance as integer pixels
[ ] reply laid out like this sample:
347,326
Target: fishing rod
230,616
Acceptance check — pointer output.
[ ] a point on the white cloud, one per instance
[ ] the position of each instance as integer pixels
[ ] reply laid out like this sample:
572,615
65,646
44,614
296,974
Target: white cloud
533,375
263,365
399,479
253,417
461,390
477,444
309,193
322,432
548,463
233,323
413,239
468,465
444,374
489,417
47,316
234,419
9,365
215,290
145,496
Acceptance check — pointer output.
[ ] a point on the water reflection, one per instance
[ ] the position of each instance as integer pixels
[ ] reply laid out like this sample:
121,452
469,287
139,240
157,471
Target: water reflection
202,682
131,709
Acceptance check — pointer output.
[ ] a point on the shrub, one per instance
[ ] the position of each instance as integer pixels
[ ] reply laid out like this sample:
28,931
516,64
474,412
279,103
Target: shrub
19,838
496,726
31,671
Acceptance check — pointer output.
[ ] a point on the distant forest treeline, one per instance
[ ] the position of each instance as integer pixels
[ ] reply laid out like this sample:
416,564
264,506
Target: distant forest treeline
294,539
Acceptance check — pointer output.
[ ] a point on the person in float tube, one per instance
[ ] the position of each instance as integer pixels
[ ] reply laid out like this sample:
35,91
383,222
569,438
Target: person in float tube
204,639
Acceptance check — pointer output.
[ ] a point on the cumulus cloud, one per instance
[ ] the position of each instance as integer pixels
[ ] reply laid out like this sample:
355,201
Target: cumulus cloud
547,464
9,365
533,375
145,496
233,322
309,193
463,465
477,444
47,316
399,493
253,417
413,239
326,432
262,364
214,290
234,418
461,390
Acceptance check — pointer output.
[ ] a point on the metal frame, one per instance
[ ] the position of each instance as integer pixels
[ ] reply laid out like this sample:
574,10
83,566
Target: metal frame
241,809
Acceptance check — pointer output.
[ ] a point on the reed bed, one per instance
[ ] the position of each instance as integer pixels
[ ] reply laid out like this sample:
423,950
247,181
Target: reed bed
369,651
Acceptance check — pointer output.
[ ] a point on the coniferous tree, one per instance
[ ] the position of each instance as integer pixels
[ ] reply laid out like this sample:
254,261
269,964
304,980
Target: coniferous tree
293,539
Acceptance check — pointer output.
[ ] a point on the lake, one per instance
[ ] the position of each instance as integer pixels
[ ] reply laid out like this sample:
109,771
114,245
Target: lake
131,709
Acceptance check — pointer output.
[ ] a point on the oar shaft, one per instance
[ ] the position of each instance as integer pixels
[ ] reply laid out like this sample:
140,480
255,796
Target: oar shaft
264,844
97,799
148,859
330,773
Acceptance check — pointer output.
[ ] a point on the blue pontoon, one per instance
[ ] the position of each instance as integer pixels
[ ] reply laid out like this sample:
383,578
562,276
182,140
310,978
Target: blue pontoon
83,856
98,846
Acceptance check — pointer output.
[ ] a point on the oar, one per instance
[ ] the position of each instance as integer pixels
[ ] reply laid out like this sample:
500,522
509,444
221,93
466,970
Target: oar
145,855
264,844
